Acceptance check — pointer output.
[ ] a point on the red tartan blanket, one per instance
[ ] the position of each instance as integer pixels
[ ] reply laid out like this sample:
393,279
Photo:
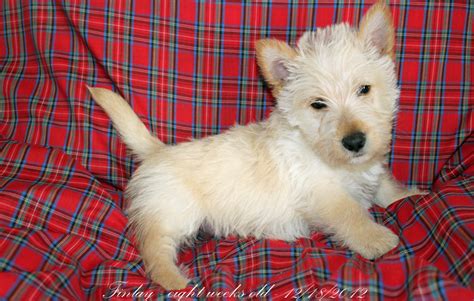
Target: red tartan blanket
188,69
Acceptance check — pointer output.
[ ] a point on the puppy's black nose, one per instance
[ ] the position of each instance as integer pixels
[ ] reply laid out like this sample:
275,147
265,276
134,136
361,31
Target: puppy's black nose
354,142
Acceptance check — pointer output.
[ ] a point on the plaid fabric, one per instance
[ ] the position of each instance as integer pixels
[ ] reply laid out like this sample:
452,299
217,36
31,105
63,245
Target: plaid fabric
188,69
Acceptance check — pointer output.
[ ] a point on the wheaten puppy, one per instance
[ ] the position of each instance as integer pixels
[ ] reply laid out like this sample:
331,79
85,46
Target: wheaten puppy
318,161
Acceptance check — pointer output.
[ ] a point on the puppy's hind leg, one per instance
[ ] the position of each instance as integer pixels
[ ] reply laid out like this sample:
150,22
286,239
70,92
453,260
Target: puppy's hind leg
160,227
158,249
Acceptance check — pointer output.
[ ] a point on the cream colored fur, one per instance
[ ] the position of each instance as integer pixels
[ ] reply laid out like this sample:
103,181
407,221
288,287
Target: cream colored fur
285,176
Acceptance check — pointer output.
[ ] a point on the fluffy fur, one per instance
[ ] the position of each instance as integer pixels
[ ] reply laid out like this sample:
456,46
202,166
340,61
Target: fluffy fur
287,175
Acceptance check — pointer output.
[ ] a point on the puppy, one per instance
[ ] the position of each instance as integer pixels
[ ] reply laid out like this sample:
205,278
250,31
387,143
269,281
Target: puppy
318,161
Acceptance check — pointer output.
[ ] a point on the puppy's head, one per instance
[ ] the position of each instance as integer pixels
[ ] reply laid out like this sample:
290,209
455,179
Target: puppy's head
338,87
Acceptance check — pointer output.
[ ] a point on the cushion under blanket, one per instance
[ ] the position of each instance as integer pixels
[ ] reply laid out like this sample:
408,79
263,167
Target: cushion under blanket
188,69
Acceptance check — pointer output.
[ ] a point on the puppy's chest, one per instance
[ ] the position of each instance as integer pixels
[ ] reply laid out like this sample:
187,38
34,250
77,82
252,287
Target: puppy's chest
363,186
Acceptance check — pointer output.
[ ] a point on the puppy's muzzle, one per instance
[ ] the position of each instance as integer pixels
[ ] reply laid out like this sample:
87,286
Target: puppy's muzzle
354,142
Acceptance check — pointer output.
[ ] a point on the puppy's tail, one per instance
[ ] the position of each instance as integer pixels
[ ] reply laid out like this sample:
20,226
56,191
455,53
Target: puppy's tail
132,130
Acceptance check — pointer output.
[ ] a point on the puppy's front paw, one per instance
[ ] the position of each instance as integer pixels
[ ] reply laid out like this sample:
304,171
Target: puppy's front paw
414,191
373,241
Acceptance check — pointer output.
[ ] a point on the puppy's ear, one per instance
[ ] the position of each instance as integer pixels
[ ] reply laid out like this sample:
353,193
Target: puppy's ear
273,58
377,29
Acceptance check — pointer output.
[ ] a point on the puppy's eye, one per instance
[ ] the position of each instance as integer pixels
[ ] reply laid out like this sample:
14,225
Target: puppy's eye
318,104
363,90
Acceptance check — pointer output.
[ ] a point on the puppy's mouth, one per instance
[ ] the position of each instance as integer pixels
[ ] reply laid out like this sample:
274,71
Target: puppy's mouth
359,157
